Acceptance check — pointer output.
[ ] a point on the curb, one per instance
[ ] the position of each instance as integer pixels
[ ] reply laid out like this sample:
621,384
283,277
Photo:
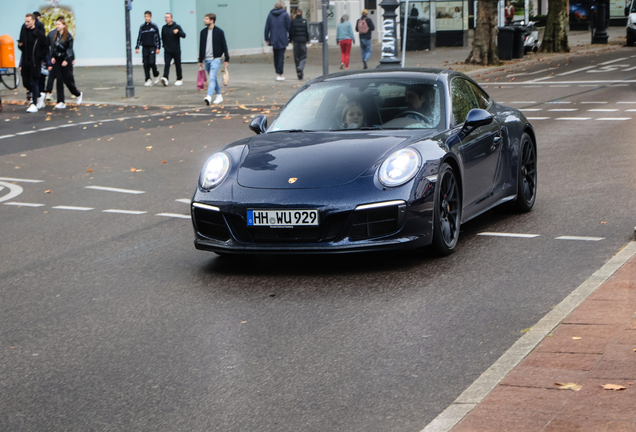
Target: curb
483,385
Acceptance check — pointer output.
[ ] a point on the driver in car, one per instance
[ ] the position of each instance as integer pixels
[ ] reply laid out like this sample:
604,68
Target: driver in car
419,101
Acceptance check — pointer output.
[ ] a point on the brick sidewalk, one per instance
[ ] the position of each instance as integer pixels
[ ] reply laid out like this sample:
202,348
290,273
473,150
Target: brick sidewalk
594,346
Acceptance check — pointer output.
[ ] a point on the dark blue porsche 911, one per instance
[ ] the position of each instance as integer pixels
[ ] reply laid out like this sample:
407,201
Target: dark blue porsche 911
362,161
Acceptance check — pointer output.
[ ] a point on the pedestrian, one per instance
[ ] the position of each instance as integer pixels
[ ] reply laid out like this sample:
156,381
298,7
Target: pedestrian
277,35
299,35
51,80
171,35
345,38
212,46
148,39
38,25
33,44
364,26
62,57
509,13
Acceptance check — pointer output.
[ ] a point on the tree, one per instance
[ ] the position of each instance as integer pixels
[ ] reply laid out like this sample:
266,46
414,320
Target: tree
484,50
555,38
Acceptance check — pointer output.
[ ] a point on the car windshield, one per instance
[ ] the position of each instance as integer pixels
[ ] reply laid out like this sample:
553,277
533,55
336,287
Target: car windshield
363,104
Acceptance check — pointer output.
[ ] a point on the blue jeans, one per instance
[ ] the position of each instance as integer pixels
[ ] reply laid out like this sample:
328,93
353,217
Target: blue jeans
212,68
365,47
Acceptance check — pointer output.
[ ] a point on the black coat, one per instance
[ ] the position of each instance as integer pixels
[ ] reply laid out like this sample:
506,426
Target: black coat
219,46
34,46
298,31
171,41
62,49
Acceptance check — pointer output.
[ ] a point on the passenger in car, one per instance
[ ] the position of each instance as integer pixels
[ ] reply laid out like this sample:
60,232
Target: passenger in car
353,116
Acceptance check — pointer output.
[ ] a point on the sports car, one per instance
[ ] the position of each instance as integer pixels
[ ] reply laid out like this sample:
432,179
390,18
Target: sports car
368,160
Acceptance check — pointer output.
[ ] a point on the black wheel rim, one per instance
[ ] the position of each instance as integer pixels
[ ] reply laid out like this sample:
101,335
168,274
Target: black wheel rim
449,208
528,172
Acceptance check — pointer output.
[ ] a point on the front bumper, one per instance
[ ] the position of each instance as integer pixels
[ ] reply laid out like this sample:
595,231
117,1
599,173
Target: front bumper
395,222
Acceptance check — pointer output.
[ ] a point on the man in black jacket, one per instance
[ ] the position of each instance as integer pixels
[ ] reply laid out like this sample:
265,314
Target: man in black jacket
212,46
299,35
33,44
148,39
38,25
171,33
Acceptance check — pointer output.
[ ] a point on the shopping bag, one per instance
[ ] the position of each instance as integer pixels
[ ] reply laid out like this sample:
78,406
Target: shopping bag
226,76
201,79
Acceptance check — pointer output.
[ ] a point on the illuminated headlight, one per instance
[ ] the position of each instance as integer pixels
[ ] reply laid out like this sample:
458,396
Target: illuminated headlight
400,167
214,171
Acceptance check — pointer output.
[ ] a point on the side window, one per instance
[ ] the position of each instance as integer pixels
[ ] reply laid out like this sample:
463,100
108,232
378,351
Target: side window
482,98
463,99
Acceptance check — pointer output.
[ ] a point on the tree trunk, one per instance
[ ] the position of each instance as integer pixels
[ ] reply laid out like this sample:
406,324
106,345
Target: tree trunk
555,38
485,50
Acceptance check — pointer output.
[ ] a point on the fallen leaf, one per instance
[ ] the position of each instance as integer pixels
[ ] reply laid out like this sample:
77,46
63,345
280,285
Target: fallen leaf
568,386
90,170
47,191
613,387
576,338
243,322
163,161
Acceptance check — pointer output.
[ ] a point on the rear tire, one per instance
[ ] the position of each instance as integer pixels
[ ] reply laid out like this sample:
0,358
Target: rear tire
526,175
447,212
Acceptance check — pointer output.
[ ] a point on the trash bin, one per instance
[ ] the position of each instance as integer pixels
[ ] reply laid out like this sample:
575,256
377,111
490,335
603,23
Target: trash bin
505,41
517,42
7,56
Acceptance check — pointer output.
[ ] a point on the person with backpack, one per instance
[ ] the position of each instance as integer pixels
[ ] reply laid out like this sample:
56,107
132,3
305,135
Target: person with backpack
299,35
365,27
62,57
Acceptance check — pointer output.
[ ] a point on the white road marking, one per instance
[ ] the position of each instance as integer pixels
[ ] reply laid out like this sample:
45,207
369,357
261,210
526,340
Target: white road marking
496,234
199,115
67,125
603,110
619,85
10,179
588,85
579,238
629,69
14,203
184,200
626,102
26,133
14,191
73,208
586,102
6,136
614,118
530,109
112,189
523,102
174,215
559,102
538,118
46,129
573,118
530,73
567,85
132,212
576,70
613,61
630,110
563,109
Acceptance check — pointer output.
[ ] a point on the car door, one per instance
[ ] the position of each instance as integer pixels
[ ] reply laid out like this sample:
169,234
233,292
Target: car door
479,150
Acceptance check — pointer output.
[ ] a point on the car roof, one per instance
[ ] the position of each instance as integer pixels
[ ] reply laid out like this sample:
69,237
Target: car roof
394,73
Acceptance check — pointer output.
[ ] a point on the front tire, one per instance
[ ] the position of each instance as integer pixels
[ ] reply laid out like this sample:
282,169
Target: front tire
447,212
526,175
630,40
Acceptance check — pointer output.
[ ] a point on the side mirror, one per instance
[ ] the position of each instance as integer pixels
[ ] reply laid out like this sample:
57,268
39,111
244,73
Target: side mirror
259,124
476,118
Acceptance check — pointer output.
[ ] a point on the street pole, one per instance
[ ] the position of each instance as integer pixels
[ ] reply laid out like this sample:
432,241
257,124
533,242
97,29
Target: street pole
130,88
405,23
325,39
389,35
600,35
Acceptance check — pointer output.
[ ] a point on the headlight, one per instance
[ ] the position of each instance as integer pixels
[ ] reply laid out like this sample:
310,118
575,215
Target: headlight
214,171
400,167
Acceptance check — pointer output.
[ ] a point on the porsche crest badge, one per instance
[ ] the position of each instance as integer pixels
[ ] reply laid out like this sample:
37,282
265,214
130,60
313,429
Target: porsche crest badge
292,180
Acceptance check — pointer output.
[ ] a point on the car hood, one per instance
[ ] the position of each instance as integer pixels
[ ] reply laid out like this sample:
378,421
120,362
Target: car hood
311,160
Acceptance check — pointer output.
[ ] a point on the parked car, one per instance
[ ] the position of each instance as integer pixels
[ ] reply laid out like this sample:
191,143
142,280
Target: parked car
367,160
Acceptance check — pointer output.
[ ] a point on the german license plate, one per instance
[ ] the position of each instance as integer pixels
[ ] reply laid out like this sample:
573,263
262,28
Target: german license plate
282,218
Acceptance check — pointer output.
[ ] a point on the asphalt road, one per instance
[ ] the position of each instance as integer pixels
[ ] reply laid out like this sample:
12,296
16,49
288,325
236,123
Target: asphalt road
113,321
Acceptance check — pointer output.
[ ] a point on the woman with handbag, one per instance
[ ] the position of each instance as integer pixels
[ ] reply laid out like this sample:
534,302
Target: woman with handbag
62,57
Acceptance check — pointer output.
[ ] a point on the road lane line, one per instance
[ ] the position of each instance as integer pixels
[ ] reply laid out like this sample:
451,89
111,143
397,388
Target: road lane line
566,85
593,102
559,102
538,118
530,109
14,191
630,110
47,129
11,179
184,200
26,133
498,234
574,118
576,70
6,136
68,125
612,61
563,109
603,110
21,204
73,208
613,118
132,212
487,381
174,215
523,102
112,189
626,102
579,238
